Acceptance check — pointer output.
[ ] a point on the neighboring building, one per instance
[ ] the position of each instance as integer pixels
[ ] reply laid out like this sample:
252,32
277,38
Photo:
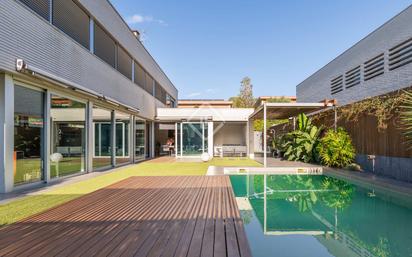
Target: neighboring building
204,103
268,99
378,64
81,68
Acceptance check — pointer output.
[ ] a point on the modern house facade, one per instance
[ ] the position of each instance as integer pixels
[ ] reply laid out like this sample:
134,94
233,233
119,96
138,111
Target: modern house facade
78,91
379,64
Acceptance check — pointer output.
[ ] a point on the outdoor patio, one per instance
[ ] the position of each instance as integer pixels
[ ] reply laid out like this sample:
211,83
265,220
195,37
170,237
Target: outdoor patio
139,216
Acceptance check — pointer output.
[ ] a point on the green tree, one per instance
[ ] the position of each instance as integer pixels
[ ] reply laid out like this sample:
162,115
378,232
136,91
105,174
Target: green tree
245,98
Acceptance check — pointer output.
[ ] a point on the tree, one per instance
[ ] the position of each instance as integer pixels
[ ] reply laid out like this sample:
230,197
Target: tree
245,98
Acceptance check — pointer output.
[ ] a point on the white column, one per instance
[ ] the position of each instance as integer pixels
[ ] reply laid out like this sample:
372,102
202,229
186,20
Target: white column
6,133
264,136
113,141
210,143
47,137
152,139
89,137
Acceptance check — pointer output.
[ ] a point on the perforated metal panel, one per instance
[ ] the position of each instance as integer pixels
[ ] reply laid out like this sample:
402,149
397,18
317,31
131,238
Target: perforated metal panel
41,7
124,62
104,46
72,20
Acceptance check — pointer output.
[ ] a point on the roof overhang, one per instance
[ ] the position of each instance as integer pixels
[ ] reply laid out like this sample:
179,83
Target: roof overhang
288,110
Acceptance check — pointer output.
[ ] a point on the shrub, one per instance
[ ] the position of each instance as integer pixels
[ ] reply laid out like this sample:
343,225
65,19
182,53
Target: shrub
336,149
301,144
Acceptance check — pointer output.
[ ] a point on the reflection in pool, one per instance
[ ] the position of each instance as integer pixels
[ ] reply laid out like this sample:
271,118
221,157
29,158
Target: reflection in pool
303,215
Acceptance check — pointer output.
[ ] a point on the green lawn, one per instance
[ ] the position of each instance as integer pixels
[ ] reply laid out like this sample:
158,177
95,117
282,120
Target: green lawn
30,205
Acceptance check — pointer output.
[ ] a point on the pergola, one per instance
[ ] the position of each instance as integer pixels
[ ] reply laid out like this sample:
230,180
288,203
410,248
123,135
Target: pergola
285,111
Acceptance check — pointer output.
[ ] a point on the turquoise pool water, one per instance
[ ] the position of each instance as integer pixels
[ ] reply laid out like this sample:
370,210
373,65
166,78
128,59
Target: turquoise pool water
303,215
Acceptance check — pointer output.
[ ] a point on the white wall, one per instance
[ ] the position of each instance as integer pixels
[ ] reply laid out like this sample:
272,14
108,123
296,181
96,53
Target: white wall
229,133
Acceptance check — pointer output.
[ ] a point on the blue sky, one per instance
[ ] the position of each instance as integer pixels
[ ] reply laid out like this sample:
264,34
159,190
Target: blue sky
207,47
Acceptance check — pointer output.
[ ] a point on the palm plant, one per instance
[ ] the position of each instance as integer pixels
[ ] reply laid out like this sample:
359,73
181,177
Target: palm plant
301,144
406,115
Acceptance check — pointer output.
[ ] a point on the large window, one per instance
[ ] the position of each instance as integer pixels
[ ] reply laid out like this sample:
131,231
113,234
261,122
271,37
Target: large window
102,154
67,136
124,62
41,7
72,20
122,138
139,75
140,139
28,135
104,46
193,138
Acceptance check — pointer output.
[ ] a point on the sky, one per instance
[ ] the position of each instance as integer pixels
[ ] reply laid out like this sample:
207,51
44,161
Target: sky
207,47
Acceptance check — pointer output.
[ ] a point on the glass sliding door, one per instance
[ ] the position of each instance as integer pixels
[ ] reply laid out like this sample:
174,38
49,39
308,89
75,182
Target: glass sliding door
192,139
28,135
102,125
140,134
122,138
68,136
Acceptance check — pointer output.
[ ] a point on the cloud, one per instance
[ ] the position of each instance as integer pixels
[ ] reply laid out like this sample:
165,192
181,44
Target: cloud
207,92
194,94
137,19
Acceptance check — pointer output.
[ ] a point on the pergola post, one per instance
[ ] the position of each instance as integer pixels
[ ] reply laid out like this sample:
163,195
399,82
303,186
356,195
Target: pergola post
264,136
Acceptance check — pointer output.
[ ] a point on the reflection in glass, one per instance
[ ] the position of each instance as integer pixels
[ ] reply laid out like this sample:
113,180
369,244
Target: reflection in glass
28,135
67,136
122,138
194,138
140,139
102,138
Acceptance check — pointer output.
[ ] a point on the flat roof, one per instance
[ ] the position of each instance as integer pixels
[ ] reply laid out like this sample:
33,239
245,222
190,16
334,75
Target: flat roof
287,110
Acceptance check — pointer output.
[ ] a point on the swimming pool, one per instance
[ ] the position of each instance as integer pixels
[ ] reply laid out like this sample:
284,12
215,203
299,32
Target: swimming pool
317,215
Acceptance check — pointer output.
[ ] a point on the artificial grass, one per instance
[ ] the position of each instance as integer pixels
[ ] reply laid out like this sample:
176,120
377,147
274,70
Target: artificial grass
27,206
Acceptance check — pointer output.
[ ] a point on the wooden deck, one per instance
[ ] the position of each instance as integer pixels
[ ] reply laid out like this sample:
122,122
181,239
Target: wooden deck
140,216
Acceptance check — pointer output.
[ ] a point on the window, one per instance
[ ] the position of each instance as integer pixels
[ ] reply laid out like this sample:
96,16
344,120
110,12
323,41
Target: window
374,67
72,20
104,46
149,84
41,7
336,85
28,135
160,93
400,55
352,77
140,139
68,136
122,138
139,75
124,62
192,138
102,122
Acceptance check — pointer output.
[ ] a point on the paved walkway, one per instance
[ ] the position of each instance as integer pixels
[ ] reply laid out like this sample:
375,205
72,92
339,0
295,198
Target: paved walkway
139,216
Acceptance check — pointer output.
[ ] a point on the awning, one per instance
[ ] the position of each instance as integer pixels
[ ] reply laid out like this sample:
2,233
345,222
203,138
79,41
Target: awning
288,110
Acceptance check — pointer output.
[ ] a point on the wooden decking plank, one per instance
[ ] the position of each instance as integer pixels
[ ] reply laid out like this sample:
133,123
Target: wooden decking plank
43,234
178,220
140,216
220,237
44,219
161,213
110,241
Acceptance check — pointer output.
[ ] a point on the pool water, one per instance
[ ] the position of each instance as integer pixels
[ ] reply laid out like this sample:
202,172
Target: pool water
304,215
